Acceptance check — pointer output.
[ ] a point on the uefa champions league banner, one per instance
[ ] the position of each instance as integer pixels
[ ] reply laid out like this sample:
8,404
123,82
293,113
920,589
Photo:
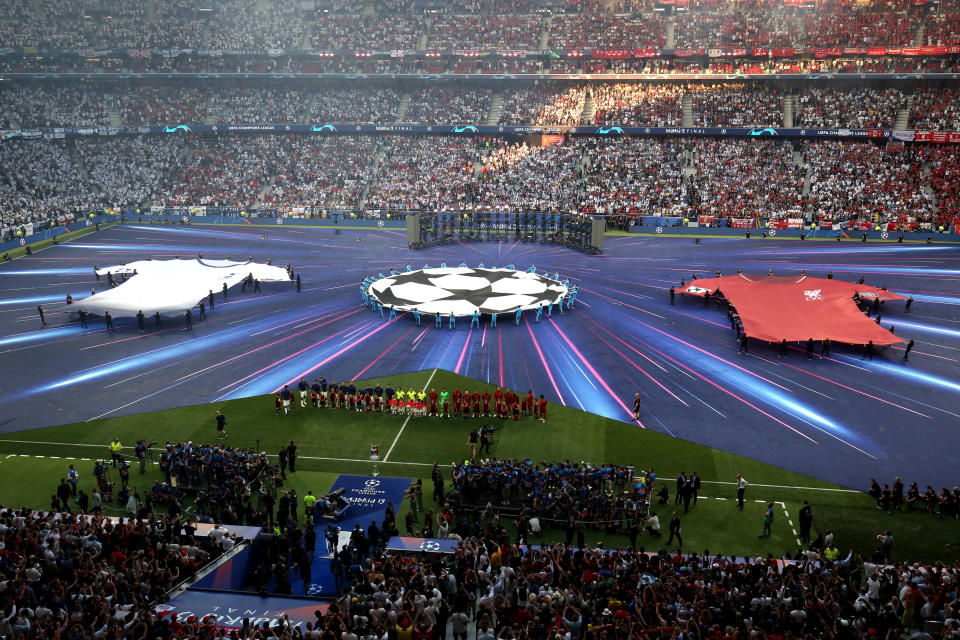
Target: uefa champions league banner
227,610
368,497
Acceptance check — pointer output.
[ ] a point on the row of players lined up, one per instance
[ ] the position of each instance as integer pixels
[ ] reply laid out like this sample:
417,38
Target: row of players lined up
506,404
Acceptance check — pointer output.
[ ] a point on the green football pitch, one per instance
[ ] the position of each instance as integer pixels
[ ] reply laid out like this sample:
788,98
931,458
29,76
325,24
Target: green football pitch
334,441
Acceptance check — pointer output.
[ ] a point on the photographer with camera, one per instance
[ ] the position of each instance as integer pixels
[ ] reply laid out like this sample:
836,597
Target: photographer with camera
140,452
486,437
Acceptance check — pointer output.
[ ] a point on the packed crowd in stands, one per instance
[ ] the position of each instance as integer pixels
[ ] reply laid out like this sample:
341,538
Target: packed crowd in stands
863,108
643,105
569,591
70,575
486,31
246,105
936,109
225,172
456,105
242,24
47,182
245,24
146,105
425,173
373,105
48,106
859,180
736,105
890,25
545,105
367,32
518,177
39,183
745,179
944,179
113,172
944,27
637,177
471,63
607,29
328,173
742,24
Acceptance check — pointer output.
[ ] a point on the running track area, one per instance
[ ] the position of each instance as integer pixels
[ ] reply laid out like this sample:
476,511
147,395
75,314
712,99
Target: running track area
841,419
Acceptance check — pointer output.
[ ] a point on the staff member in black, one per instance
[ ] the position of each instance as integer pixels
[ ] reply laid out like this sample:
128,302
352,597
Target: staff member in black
156,320
210,299
906,354
140,325
675,529
636,407
189,318
203,309
83,319
806,521
43,321
108,319
292,453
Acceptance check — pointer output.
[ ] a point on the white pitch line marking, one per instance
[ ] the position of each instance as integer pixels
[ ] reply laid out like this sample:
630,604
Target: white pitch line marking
404,425
428,464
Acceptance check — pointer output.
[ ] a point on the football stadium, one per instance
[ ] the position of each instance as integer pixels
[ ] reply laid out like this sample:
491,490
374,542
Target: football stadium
420,319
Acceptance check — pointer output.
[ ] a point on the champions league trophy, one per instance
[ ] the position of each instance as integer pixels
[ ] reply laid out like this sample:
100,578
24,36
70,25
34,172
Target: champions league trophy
374,457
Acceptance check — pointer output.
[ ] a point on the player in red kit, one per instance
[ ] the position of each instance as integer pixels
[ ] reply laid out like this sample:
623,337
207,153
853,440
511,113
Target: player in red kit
476,404
543,408
531,403
497,400
486,403
465,404
433,402
456,403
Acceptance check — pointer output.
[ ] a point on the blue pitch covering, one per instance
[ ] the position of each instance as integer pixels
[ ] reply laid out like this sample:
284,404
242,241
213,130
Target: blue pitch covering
843,419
